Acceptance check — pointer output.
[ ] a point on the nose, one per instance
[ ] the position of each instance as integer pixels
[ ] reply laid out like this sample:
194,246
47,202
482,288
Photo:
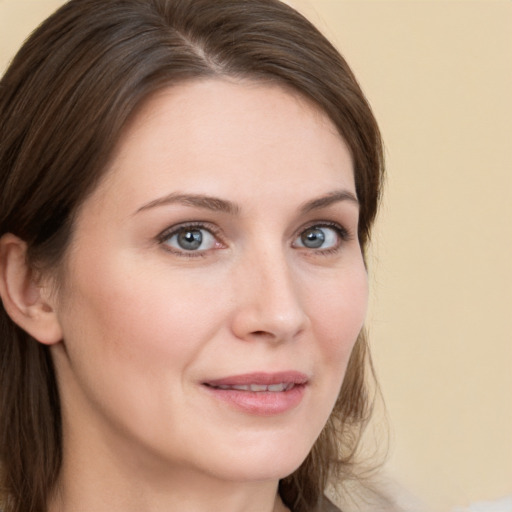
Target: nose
268,300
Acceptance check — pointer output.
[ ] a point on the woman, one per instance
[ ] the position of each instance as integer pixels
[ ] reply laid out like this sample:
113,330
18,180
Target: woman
187,192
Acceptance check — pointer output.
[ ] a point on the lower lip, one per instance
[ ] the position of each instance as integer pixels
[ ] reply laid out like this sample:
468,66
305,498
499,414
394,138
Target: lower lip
261,403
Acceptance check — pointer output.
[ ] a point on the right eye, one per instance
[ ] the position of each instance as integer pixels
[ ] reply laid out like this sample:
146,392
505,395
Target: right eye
189,239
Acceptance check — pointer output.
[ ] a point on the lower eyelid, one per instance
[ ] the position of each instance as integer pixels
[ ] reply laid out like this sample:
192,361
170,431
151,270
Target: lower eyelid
173,231
340,232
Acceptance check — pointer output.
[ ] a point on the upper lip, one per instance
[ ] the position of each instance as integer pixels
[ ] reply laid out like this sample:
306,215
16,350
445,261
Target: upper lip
261,378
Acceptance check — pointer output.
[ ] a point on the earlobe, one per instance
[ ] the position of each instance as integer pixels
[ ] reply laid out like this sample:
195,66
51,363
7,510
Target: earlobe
24,299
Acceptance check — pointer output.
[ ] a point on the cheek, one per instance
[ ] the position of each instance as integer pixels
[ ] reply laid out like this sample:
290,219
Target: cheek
134,328
145,317
338,316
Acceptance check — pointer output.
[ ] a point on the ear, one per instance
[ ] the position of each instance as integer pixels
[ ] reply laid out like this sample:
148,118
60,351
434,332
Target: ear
25,300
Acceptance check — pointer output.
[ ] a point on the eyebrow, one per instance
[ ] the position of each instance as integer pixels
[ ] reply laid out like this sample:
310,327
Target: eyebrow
222,205
331,198
197,200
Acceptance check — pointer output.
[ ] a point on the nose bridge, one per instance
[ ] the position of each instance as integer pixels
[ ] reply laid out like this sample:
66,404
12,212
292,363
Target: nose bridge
269,303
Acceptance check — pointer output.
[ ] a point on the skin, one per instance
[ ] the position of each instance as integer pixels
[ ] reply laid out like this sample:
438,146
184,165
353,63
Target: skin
144,323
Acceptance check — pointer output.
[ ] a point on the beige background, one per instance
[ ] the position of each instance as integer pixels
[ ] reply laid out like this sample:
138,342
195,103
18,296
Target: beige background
439,76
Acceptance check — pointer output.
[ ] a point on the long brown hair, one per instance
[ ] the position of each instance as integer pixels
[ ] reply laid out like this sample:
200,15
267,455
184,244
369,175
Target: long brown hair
63,103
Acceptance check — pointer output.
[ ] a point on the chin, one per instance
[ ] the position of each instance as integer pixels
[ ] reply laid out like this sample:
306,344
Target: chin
257,464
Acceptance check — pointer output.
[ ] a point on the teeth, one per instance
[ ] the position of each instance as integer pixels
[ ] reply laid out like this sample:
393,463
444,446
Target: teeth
276,388
258,387
241,388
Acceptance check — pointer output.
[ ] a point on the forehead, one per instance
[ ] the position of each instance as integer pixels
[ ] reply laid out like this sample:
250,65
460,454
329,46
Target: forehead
202,134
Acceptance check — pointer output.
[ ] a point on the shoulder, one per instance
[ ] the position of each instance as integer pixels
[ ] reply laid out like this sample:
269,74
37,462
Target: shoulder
328,506
502,505
377,495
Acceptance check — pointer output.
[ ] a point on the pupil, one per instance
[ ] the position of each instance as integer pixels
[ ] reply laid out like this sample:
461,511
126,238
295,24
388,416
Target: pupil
190,240
313,238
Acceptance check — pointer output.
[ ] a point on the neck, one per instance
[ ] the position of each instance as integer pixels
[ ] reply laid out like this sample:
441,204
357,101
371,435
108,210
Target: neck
187,493
108,480
101,499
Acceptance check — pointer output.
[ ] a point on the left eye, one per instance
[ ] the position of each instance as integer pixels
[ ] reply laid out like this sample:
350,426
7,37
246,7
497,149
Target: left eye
318,237
191,239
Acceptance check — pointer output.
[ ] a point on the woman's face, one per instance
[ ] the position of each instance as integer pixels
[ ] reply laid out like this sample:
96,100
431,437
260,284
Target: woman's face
214,287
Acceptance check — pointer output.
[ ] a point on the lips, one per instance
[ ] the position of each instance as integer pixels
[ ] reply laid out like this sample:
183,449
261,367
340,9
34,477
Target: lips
261,393
260,379
258,388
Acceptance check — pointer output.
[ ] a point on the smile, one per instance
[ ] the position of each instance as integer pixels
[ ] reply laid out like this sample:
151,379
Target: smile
261,394
259,388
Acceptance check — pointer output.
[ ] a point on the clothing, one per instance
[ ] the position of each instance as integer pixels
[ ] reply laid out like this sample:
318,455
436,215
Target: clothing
328,506
502,505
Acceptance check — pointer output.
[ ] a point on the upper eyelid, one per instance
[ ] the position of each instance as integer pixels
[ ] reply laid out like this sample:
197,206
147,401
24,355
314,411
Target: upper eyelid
340,228
176,228
344,232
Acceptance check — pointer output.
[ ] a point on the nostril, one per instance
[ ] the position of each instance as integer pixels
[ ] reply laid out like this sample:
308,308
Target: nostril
261,333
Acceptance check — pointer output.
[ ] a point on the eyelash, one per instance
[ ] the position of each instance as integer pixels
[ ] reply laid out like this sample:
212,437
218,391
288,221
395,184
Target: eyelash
174,230
343,234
